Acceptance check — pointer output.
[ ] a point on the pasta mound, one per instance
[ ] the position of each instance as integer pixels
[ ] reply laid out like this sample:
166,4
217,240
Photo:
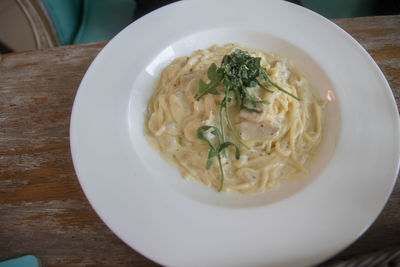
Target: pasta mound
283,137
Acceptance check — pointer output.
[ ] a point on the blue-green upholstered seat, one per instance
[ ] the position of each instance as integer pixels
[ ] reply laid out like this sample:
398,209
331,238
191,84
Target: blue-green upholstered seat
83,21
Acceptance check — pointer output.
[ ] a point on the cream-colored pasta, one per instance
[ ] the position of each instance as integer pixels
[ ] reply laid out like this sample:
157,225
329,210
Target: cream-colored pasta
282,138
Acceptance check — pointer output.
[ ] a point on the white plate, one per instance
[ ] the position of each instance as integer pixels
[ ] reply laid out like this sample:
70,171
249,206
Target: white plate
144,201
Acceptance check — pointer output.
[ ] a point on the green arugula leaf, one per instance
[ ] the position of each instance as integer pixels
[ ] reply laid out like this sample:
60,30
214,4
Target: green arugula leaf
263,87
266,77
215,75
216,150
226,144
212,153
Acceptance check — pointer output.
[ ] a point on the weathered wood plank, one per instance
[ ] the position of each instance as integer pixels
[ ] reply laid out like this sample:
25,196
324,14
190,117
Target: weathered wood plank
43,210
380,36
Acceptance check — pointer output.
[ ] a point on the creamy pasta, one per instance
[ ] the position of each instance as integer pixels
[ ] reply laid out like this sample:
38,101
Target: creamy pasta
282,137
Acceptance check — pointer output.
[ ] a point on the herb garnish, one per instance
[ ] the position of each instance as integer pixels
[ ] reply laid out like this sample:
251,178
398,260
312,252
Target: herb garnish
238,71
216,150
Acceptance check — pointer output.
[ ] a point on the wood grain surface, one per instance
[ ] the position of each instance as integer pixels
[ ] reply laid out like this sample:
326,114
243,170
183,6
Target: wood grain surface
43,210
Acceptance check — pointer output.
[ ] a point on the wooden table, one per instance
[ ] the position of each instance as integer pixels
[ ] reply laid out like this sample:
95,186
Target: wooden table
43,210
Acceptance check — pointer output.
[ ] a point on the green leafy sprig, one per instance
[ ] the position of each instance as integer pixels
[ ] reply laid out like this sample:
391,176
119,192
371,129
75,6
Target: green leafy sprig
215,76
215,150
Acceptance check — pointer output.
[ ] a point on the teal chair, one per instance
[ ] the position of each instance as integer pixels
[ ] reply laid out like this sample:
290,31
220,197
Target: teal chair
84,21
24,261
66,22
